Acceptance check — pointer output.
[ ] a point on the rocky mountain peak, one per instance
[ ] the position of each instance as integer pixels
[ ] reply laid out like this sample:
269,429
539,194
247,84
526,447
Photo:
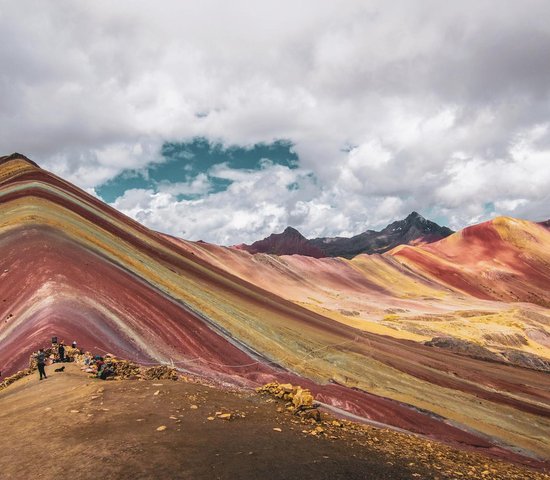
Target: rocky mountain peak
415,217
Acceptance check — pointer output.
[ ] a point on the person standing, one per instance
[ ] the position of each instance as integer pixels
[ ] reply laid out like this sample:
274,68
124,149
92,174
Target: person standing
61,351
41,363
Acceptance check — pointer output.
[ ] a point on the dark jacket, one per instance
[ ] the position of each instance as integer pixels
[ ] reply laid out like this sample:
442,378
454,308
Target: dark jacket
41,358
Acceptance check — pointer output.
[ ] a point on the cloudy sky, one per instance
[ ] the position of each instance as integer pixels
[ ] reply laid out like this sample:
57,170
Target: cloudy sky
227,121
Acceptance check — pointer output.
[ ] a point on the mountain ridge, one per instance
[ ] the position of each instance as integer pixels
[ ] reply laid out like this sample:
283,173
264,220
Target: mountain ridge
288,242
414,229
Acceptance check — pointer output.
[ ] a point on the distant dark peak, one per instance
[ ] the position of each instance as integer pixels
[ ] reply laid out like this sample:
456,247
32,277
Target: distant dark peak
289,231
413,220
17,156
290,242
415,216
412,229
417,223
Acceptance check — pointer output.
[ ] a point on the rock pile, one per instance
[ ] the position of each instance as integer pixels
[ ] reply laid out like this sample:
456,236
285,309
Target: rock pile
125,369
299,400
160,372
20,374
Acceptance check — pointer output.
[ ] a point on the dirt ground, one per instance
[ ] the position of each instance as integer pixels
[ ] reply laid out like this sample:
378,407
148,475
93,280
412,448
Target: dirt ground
72,426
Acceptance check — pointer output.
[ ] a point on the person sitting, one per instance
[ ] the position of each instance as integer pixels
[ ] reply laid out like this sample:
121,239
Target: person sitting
106,370
87,358
99,363
86,361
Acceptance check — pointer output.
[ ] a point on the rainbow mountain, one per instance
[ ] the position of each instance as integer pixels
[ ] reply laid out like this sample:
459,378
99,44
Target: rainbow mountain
450,340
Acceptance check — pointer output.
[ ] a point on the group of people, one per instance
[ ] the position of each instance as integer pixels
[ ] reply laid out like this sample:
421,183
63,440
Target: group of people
98,366
101,367
63,353
57,353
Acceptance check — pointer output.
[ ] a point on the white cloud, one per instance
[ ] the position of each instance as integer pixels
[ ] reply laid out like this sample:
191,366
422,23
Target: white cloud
510,205
444,106
199,185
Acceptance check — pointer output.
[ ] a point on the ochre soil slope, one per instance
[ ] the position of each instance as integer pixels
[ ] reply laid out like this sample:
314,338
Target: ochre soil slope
73,426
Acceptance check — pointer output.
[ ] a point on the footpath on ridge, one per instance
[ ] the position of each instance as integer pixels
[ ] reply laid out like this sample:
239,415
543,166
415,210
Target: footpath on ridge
75,426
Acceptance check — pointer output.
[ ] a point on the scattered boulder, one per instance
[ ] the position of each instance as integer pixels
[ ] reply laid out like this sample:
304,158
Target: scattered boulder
302,398
311,414
317,431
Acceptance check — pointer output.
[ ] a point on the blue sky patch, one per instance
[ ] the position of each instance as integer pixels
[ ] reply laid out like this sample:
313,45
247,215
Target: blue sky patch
187,162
